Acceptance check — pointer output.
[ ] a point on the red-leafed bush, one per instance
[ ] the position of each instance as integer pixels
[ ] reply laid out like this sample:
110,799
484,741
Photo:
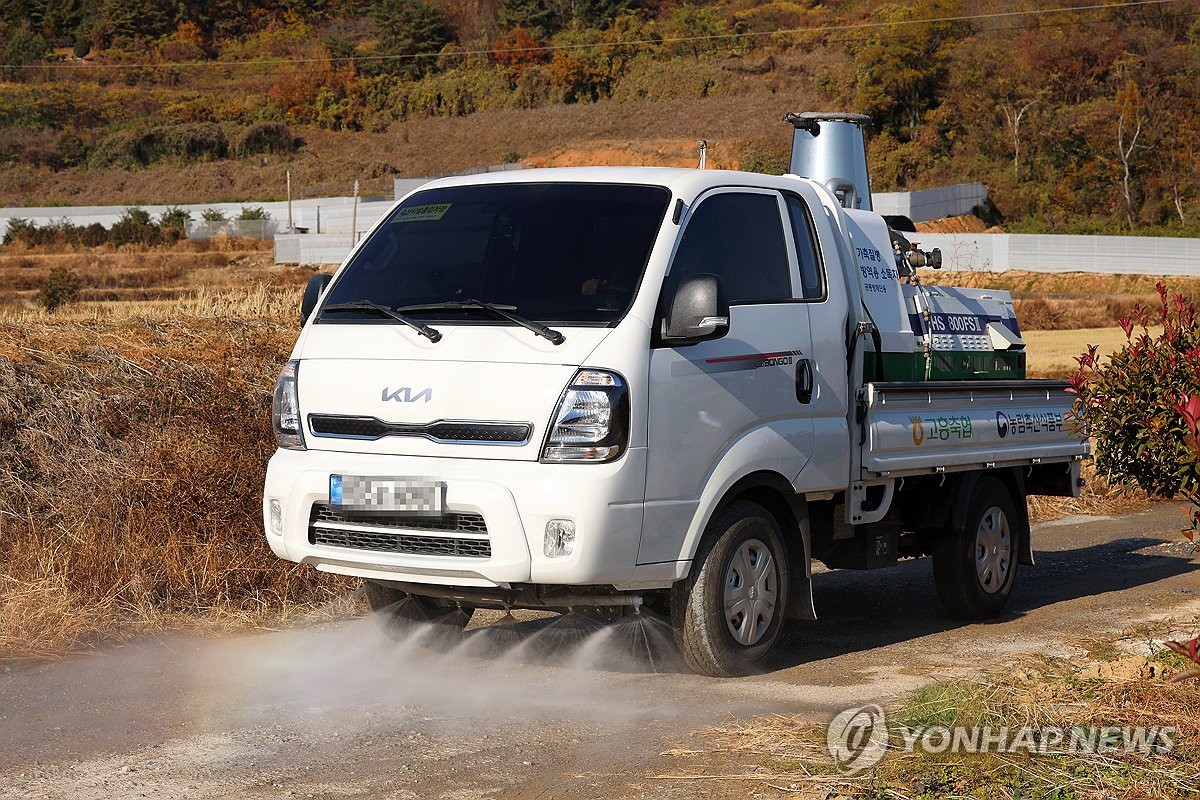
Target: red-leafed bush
1141,404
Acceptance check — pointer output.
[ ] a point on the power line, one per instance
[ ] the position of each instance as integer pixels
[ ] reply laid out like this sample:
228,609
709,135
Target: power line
548,48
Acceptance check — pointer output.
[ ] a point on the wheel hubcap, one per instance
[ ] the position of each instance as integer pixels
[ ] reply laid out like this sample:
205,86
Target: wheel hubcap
993,551
751,584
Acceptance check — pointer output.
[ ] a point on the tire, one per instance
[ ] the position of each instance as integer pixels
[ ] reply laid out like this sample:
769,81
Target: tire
975,569
728,613
404,613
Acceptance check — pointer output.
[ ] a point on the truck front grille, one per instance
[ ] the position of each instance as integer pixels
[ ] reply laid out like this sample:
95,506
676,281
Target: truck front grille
461,535
442,431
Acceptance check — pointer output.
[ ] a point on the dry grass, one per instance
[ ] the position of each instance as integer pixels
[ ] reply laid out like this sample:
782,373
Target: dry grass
133,446
781,755
1098,497
110,277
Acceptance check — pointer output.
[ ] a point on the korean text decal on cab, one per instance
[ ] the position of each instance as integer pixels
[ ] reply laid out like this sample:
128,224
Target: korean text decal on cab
430,213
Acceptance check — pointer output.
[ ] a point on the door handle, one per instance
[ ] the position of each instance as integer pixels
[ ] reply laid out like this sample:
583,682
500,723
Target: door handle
804,380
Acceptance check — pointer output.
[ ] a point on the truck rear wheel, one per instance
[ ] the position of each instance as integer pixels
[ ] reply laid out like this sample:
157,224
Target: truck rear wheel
728,613
405,612
975,569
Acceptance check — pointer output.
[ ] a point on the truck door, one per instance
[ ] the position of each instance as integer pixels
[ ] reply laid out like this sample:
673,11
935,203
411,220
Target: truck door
745,397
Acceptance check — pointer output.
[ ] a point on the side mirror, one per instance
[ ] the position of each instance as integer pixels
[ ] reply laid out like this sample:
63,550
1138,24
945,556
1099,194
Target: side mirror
312,293
696,311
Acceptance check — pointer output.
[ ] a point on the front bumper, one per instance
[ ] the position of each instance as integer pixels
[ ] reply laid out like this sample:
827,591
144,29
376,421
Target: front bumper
516,499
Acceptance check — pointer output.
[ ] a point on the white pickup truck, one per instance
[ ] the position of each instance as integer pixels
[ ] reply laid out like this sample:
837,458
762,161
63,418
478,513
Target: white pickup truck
603,389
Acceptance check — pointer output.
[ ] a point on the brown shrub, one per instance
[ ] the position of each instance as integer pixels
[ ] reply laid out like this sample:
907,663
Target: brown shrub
132,453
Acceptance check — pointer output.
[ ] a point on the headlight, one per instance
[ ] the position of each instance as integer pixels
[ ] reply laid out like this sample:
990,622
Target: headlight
285,410
591,422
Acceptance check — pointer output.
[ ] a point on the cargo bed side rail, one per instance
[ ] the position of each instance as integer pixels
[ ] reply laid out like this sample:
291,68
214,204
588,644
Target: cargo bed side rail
931,427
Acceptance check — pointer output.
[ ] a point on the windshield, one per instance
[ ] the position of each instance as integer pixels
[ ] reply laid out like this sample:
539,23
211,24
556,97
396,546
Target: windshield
567,252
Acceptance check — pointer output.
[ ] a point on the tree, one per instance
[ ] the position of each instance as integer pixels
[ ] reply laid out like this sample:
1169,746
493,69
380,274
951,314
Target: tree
700,28
133,19
61,18
1131,119
901,65
535,16
519,49
25,47
1012,118
411,32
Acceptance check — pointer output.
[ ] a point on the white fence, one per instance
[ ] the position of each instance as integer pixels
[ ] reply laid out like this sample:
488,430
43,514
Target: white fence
311,248
997,252
926,204
317,215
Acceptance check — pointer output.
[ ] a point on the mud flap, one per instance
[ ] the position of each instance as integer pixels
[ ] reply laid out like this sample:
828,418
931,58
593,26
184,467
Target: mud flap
800,602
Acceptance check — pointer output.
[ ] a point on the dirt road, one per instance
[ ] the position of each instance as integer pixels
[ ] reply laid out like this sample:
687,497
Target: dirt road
530,711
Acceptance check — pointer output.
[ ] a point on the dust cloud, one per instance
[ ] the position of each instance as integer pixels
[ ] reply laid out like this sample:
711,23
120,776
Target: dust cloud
565,667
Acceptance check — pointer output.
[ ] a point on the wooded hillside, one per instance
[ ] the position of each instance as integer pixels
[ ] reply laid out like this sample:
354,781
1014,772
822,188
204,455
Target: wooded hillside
1079,119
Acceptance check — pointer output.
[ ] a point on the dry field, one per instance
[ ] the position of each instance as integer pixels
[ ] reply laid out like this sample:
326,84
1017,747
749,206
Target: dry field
134,437
109,277
133,443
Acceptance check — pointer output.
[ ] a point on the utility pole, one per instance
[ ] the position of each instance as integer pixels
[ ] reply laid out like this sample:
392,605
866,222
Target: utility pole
354,218
291,228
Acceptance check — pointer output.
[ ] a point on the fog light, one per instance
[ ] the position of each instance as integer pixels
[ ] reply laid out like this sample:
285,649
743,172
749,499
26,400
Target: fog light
560,538
276,513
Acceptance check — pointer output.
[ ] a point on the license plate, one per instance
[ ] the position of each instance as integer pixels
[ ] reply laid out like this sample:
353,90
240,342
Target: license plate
412,496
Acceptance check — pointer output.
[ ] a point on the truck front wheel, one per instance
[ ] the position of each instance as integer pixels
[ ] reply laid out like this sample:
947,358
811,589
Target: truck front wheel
975,569
728,613
405,612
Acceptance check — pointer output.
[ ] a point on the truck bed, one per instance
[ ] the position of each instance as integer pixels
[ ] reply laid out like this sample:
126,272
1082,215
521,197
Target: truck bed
948,426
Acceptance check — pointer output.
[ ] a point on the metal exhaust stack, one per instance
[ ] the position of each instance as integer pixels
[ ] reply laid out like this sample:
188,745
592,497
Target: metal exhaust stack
828,147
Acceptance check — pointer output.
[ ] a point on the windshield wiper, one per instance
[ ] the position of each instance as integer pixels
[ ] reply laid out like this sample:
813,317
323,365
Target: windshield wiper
499,310
375,308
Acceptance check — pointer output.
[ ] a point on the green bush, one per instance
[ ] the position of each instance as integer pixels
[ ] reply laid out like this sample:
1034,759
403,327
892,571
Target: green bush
458,92
336,111
135,227
175,218
197,141
1139,405
18,230
253,212
534,89
61,287
93,235
267,137
146,141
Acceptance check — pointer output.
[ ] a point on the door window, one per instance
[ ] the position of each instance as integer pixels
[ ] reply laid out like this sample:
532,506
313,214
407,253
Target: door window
812,285
739,238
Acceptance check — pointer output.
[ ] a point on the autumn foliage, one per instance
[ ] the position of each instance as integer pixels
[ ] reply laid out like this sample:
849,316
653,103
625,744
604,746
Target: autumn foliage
1079,119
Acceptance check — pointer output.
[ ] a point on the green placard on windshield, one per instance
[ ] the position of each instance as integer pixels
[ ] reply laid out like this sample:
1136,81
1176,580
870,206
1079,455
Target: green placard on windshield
431,213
